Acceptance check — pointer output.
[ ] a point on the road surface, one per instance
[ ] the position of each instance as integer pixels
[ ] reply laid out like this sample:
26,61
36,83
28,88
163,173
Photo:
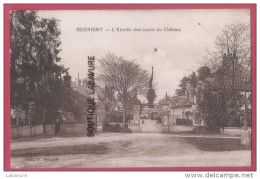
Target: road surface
129,150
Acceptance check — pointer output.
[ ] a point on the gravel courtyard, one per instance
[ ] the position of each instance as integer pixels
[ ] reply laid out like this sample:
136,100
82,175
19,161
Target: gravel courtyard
129,150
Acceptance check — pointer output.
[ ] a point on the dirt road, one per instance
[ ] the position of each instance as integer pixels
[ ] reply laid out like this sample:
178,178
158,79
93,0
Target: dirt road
129,150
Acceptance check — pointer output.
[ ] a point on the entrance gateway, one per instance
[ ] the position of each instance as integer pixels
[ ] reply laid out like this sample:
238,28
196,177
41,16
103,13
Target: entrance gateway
147,118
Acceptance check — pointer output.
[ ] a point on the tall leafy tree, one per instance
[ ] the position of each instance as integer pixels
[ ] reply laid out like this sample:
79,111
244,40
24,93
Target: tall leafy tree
34,56
219,108
193,80
22,62
182,86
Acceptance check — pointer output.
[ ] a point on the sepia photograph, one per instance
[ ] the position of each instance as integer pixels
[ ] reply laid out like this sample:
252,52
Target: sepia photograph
131,88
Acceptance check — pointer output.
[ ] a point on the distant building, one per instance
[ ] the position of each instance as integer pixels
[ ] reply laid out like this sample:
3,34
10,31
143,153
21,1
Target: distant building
183,105
231,75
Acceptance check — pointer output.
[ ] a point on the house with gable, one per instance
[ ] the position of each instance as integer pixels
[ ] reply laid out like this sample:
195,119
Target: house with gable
182,107
232,75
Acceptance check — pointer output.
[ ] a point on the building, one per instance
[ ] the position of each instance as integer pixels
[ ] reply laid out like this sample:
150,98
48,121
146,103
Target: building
183,106
232,75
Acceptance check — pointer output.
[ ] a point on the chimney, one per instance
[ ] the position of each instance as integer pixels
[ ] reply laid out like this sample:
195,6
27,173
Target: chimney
225,59
79,81
67,80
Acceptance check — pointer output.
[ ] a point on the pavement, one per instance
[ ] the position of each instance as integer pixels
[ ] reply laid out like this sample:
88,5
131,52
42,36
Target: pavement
126,150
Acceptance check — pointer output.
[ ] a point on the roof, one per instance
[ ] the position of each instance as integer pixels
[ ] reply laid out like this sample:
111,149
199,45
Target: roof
180,101
80,89
226,78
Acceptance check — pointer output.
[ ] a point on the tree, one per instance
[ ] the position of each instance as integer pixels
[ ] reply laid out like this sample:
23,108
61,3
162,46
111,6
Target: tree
203,73
219,108
35,69
150,95
182,86
234,38
74,102
133,101
22,87
109,94
193,80
219,104
125,77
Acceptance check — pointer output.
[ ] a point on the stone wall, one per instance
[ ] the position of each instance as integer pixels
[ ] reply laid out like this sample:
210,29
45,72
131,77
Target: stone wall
233,131
181,128
176,128
74,128
37,130
24,131
31,131
14,132
50,129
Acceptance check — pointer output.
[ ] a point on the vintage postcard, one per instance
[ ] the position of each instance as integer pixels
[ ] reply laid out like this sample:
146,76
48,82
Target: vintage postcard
130,87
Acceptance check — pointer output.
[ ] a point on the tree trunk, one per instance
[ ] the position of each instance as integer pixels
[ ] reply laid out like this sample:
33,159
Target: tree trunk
44,103
124,117
43,118
17,116
245,120
26,113
95,118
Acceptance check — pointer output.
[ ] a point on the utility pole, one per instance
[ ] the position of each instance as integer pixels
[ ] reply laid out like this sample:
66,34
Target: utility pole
246,134
245,101
245,122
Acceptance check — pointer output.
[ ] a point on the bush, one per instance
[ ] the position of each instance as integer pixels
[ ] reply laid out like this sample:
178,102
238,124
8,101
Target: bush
183,121
106,127
202,130
144,117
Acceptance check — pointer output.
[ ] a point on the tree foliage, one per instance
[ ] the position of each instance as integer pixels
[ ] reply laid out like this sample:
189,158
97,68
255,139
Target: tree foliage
221,105
125,77
182,86
234,38
221,108
193,79
150,95
203,73
34,55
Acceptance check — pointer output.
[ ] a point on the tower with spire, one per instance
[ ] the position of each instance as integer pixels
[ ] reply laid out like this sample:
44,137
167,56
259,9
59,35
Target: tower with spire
150,95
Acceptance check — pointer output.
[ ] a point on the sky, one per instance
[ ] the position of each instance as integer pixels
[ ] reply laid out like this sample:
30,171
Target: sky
177,52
